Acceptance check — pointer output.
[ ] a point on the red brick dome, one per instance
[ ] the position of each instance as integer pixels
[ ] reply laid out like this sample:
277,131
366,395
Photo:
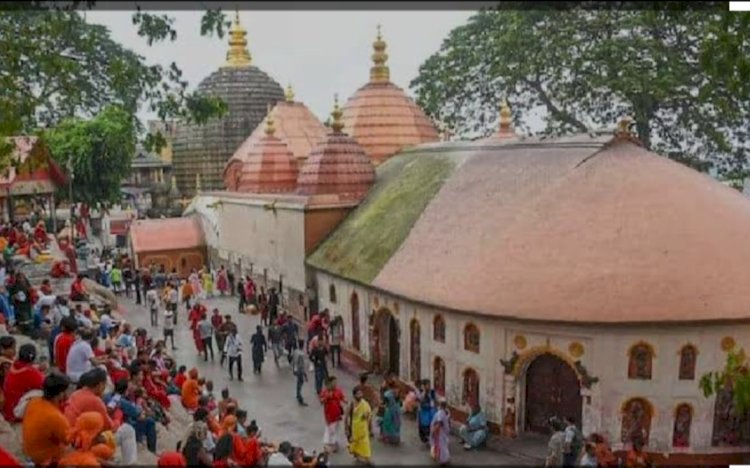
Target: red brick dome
268,167
338,165
381,117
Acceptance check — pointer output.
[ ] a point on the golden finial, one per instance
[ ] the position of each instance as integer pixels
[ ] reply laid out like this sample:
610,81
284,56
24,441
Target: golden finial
379,72
506,119
337,125
197,182
623,126
270,129
237,55
289,93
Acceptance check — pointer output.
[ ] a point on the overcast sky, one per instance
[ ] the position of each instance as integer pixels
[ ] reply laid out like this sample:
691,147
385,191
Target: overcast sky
319,52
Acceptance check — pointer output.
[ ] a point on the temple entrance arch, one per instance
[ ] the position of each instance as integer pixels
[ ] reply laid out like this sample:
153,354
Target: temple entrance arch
552,388
385,345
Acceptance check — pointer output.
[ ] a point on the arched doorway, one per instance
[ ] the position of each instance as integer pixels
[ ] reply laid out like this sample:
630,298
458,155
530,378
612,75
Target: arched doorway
385,342
552,389
355,321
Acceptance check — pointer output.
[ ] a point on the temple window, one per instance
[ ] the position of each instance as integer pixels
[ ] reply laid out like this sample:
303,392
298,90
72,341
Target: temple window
688,355
332,294
470,394
438,375
471,338
641,361
355,321
636,420
683,418
416,351
438,329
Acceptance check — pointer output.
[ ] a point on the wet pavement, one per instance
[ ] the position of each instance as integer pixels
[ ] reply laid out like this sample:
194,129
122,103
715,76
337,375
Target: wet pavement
269,397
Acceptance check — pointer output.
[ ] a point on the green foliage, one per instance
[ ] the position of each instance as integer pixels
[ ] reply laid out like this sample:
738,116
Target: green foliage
370,235
54,66
677,73
734,376
100,150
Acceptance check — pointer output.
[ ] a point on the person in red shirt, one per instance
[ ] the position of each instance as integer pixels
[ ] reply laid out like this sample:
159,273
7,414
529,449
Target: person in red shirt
64,341
180,378
77,290
22,377
333,401
254,455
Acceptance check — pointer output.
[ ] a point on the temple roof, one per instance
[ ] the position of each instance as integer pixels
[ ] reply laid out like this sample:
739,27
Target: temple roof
295,125
269,165
158,235
580,229
32,161
381,117
337,165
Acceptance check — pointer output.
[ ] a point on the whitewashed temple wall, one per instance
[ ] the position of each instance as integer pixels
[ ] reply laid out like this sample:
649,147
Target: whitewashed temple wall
602,351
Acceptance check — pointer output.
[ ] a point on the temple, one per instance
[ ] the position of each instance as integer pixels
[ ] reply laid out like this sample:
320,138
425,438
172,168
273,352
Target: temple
580,276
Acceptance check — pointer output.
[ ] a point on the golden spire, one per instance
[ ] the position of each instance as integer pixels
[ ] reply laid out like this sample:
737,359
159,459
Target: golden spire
237,55
270,129
379,72
197,182
289,93
623,126
337,125
506,119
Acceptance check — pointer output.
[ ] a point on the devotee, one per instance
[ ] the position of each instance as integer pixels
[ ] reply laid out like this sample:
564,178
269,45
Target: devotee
20,291
225,402
91,447
474,432
207,279
137,281
22,377
78,290
81,358
194,450
116,276
333,401
169,323
7,356
233,351
133,414
299,370
89,397
318,358
259,348
216,321
230,281
440,431
226,328
603,452
573,442
589,455
171,459
241,293
337,338
191,391
427,409
173,299
390,426
636,457
180,377
187,294
275,338
289,332
368,391
40,234
222,283
273,304
45,428
206,330
152,302
360,423
555,444
64,341
249,290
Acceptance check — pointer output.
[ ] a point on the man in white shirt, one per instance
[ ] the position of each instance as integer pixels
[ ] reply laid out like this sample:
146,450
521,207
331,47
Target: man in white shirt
174,299
152,302
169,326
206,330
80,357
281,457
233,350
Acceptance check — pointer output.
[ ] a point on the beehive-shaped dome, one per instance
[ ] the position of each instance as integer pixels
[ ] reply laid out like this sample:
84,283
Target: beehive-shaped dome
381,117
269,166
247,91
337,166
295,124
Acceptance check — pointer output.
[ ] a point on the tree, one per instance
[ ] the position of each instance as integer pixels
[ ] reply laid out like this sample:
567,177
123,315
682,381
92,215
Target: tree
588,68
100,150
55,66
734,376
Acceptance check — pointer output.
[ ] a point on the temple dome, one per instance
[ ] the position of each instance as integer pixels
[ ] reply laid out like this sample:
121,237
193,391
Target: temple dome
295,124
381,117
269,165
247,91
337,166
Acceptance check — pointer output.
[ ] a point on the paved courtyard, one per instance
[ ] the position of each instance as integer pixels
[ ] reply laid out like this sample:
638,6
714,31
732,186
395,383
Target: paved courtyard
269,398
